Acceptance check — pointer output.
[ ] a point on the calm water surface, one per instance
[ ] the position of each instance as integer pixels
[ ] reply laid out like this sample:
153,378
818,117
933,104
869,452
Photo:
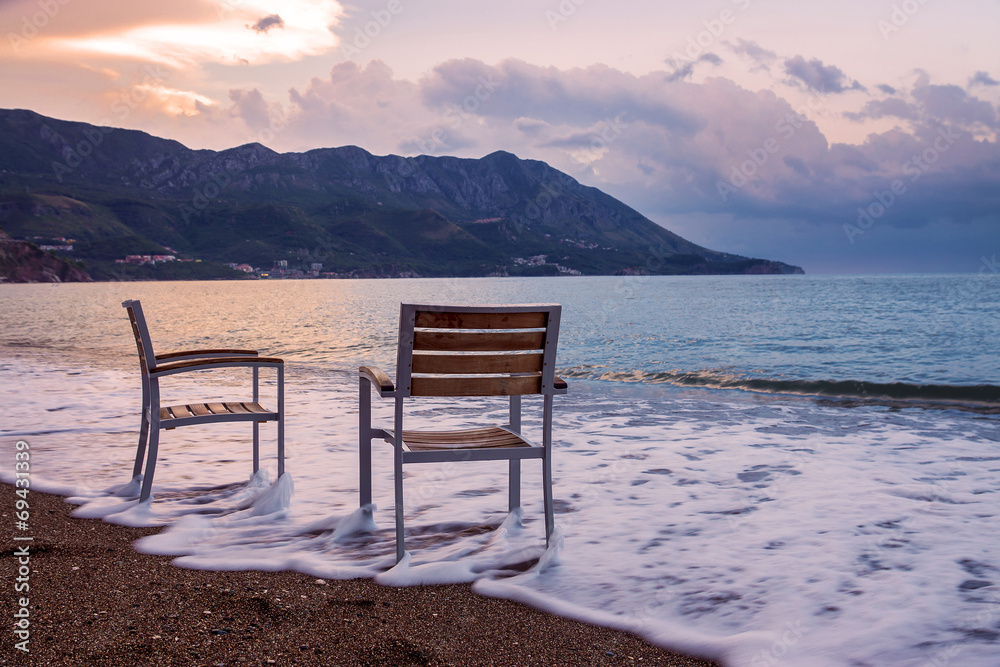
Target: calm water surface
918,330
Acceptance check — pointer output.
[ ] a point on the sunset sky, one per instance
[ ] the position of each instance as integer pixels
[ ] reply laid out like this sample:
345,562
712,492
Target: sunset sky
858,136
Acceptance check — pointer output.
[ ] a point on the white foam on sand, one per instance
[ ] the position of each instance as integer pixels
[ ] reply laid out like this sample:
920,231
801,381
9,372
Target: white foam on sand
756,530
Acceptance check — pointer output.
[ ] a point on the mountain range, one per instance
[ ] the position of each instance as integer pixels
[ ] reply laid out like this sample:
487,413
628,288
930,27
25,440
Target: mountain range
110,193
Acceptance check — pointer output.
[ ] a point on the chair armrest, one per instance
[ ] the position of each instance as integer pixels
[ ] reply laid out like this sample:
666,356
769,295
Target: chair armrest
216,362
205,354
559,385
381,381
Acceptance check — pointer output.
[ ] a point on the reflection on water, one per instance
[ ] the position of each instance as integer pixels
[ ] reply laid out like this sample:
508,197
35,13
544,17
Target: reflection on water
916,329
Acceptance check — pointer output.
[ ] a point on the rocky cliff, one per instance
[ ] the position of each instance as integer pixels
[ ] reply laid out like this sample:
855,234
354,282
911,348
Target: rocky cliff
23,262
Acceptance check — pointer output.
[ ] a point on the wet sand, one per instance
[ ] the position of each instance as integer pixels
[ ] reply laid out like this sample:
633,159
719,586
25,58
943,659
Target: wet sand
94,600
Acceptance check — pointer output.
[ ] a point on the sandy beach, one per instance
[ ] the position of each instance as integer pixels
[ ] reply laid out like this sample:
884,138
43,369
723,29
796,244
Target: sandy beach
94,600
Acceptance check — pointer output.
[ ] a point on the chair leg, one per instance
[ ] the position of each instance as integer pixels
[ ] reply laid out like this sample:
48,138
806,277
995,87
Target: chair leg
547,495
397,474
256,446
514,490
281,445
281,420
547,467
400,539
256,425
365,470
147,480
364,442
143,429
140,450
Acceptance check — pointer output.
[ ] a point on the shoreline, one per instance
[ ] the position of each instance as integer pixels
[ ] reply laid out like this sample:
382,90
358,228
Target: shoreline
95,600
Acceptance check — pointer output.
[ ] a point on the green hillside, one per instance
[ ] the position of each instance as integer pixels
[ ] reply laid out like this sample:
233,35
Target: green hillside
120,192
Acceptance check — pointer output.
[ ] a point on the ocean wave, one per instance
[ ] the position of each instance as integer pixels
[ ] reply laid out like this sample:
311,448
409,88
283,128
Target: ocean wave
982,397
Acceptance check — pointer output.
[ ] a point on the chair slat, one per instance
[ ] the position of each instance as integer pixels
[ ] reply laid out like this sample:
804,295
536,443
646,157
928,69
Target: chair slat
452,320
478,342
467,439
493,436
199,409
477,363
473,386
438,435
418,447
499,441
212,409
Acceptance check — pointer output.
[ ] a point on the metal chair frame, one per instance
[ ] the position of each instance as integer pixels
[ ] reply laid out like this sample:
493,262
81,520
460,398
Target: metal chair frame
156,417
466,351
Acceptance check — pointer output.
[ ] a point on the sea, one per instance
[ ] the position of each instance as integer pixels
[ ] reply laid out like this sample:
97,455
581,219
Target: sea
762,470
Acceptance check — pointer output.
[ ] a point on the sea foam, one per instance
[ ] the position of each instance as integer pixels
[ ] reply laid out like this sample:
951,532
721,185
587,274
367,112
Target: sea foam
755,530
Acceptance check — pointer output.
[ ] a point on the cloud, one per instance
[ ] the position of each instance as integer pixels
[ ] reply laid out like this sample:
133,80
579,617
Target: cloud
73,19
267,23
206,34
982,79
251,107
952,103
665,146
577,97
886,88
894,107
530,126
817,76
755,52
365,106
687,69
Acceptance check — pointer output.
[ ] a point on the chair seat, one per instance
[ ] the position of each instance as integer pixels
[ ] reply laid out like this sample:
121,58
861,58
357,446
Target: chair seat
230,411
476,438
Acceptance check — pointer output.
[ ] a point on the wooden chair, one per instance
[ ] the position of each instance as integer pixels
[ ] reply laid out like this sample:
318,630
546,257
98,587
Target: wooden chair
156,417
466,351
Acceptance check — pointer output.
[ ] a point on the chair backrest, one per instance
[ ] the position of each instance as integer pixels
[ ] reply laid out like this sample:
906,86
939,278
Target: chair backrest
147,359
477,350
